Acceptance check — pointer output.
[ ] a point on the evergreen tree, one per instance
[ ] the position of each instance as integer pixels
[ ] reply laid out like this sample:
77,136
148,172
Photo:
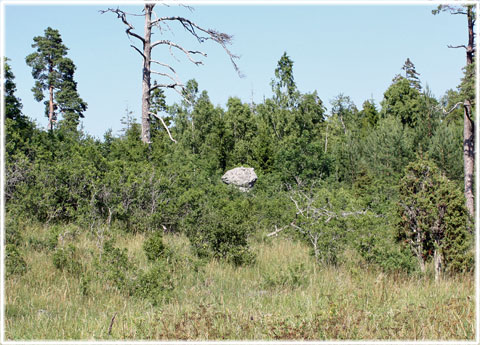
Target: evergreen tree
283,86
53,73
411,74
433,218
13,105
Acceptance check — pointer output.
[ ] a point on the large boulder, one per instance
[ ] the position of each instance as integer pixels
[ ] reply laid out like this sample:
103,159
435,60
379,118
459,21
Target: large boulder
243,178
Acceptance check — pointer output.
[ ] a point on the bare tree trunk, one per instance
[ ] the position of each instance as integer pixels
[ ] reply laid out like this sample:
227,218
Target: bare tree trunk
437,260
468,127
147,52
468,157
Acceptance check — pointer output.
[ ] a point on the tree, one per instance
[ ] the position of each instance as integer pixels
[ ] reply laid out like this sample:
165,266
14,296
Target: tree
403,101
411,74
469,97
433,218
169,72
13,105
284,87
53,73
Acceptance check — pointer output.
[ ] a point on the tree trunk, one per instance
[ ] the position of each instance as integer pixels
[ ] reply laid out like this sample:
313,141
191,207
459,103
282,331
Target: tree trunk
50,109
437,260
468,127
468,157
147,52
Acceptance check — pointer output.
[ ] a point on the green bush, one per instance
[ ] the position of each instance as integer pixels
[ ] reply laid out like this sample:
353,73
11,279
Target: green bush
66,259
223,229
14,262
155,285
115,266
153,246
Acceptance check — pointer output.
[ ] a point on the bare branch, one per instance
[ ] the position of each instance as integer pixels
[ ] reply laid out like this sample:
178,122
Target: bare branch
277,230
164,125
445,112
186,52
139,51
123,16
221,38
460,46
168,76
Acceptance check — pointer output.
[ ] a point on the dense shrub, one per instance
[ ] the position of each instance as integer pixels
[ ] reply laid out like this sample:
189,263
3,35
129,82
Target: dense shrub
156,284
14,262
153,246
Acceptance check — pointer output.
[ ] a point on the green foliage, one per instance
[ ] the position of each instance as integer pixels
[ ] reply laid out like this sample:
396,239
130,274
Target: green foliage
433,216
53,72
403,101
153,246
66,259
156,284
14,262
222,227
115,266
293,278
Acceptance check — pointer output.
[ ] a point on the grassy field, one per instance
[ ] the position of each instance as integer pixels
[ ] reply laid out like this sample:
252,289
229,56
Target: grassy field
282,296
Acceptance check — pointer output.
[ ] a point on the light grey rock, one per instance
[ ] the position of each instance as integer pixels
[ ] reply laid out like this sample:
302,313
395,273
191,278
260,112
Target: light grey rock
243,178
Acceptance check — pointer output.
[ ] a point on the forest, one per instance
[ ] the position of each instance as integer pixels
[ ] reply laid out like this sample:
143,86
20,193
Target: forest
360,225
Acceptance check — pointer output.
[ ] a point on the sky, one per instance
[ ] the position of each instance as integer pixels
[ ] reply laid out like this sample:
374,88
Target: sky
351,49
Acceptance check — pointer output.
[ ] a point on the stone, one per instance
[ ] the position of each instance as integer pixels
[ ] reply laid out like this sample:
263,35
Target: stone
241,177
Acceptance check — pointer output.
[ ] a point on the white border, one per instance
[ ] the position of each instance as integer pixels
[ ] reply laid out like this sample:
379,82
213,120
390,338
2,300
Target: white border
245,3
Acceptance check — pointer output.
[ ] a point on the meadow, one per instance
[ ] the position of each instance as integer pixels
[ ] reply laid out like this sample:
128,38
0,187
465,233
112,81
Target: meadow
283,295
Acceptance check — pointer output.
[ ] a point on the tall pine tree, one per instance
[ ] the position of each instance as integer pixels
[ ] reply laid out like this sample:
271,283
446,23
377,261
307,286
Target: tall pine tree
53,73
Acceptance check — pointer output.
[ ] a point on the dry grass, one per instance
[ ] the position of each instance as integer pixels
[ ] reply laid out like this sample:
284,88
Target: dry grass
282,296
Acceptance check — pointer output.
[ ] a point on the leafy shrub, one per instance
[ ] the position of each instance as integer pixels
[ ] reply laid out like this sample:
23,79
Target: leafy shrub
377,249
223,228
115,266
155,285
66,259
154,247
14,262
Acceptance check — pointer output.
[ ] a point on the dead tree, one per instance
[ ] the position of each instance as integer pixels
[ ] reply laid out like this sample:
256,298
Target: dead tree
166,71
468,117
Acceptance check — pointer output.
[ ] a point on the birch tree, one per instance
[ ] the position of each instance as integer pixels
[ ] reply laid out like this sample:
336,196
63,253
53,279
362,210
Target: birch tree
164,70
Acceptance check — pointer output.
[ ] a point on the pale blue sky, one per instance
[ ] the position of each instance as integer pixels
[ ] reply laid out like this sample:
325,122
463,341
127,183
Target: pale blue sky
355,50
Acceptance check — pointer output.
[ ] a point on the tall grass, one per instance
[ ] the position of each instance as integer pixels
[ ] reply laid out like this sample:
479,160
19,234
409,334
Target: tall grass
282,296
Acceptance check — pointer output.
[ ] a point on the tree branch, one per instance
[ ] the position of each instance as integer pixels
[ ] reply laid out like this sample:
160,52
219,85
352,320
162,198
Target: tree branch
186,52
164,125
123,16
460,46
139,51
218,37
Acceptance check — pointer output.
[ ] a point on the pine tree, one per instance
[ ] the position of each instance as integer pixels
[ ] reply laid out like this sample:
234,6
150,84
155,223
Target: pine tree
53,73
411,74
13,106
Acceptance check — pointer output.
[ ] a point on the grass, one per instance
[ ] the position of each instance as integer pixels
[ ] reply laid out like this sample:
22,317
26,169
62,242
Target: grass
282,296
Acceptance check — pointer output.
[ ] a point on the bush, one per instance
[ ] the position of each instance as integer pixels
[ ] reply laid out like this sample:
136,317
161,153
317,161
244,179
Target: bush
223,228
115,266
14,262
153,246
66,259
155,285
